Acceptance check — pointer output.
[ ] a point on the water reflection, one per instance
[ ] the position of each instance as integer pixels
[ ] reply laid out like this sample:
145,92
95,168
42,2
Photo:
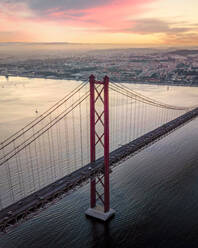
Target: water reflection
100,233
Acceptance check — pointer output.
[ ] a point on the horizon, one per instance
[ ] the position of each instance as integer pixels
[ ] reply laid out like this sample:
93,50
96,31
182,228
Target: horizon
154,46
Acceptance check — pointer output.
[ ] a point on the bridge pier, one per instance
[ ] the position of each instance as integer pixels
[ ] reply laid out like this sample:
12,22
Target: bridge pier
99,213
99,91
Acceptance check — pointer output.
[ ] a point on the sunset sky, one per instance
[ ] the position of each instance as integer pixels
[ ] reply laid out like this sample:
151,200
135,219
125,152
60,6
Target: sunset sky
152,22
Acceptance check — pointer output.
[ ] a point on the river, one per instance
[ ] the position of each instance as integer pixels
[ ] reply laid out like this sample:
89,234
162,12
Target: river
154,193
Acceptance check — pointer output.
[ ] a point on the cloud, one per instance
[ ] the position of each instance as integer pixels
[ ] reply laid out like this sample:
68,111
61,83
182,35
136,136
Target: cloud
182,39
42,19
45,5
172,33
153,26
113,15
101,15
77,8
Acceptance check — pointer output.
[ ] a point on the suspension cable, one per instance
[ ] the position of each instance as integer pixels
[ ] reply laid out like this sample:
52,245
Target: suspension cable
147,100
25,129
133,97
44,129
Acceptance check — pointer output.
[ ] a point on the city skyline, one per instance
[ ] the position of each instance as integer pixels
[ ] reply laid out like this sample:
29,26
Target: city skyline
143,22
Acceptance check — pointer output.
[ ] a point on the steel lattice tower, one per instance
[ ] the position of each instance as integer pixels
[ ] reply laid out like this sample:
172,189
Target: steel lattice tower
99,92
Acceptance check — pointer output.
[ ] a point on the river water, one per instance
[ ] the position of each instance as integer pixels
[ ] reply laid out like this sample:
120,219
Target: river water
154,193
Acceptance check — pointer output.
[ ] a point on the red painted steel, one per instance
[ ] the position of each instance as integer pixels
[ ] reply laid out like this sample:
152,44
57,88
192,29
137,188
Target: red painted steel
106,143
101,95
92,139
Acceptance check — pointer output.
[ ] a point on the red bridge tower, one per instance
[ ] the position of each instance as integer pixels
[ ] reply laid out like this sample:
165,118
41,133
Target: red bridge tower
99,134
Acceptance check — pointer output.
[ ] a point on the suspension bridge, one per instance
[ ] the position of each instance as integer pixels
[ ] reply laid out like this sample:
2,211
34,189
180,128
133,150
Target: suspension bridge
80,138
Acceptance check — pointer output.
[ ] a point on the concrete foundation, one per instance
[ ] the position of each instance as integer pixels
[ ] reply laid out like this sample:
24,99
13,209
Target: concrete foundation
98,213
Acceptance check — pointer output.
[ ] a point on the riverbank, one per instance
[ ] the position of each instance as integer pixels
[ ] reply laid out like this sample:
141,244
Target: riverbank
162,83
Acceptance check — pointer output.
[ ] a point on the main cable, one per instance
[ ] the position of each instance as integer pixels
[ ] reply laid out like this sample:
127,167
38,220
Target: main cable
144,99
30,125
48,126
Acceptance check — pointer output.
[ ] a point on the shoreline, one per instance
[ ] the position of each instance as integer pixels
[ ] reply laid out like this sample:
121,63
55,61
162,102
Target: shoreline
82,80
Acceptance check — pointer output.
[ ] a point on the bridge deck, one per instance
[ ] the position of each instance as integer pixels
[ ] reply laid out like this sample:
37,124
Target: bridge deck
13,213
